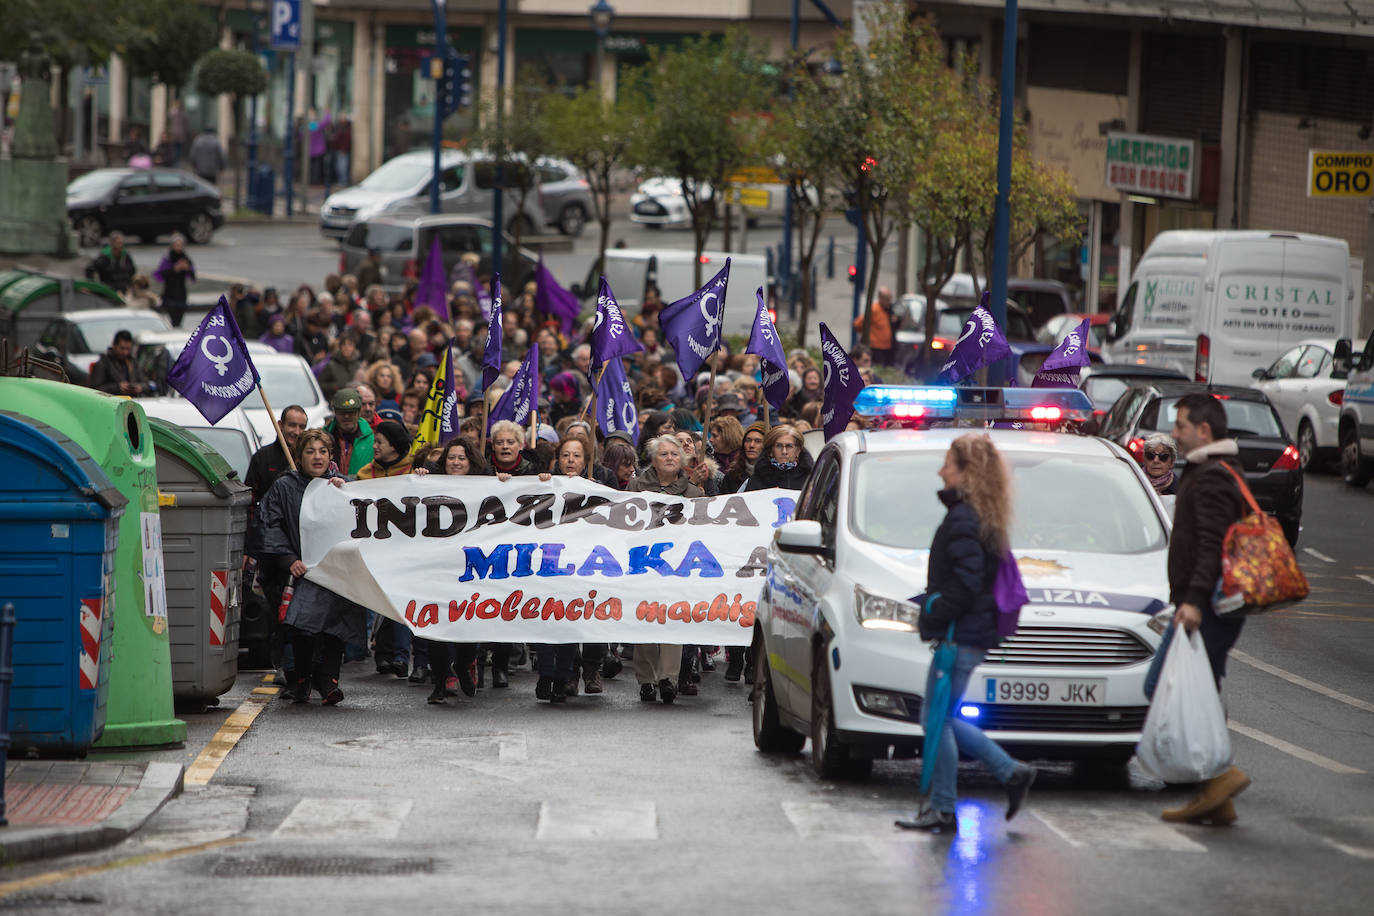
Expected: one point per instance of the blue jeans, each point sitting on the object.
(960, 735)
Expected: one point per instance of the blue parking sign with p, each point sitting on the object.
(286, 24)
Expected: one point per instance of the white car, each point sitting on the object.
(1306, 388)
(287, 379)
(836, 654)
(233, 436)
(78, 339)
(659, 202)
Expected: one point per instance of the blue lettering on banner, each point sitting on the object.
(600, 562)
(549, 565)
(786, 506)
(488, 566)
(649, 559)
(700, 561)
(697, 561)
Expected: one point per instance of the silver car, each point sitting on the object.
(403, 243)
(567, 196)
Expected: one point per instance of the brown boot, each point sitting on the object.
(1214, 792)
(1224, 816)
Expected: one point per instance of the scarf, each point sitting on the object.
(1162, 482)
(783, 465)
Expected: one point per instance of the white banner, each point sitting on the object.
(469, 559)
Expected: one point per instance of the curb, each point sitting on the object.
(160, 782)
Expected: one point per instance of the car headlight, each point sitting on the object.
(878, 612)
(1160, 622)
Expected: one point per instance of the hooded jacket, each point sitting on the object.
(358, 453)
(960, 573)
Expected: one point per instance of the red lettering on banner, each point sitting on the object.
(573, 609)
(720, 609)
(410, 612)
(553, 608)
(489, 609)
(699, 612)
(455, 610)
(680, 610)
(429, 615)
(608, 609)
(509, 607)
(651, 612)
(746, 615)
(734, 609)
(531, 610)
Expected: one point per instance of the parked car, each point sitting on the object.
(1306, 387)
(400, 187)
(1356, 433)
(1267, 453)
(403, 244)
(659, 202)
(567, 196)
(233, 436)
(143, 203)
(157, 349)
(1040, 299)
(1058, 327)
(78, 339)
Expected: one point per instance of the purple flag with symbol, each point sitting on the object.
(842, 384)
(611, 335)
(765, 342)
(522, 397)
(1061, 367)
(555, 301)
(491, 354)
(433, 288)
(615, 402)
(980, 343)
(214, 371)
(692, 325)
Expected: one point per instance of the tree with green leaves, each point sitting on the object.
(174, 35)
(708, 101)
(515, 140)
(596, 136)
(237, 74)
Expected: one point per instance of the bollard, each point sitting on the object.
(830, 259)
(6, 679)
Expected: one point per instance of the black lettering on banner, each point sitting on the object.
(578, 506)
(360, 529)
(756, 565)
(624, 515)
(535, 508)
(491, 512)
(661, 514)
(389, 514)
(434, 508)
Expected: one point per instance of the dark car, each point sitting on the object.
(143, 203)
(1268, 455)
(1107, 382)
(949, 324)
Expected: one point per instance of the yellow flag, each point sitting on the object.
(436, 405)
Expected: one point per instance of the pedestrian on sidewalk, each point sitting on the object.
(173, 272)
(964, 557)
(1207, 503)
(207, 156)
(114, 266)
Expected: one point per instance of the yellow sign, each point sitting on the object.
(754, 175)
(755, 198)
(1334, 173)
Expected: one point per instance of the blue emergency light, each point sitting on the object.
(999, 406)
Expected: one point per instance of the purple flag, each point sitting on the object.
(214, 371)
(1061, 367)
(615, 402)
(491, 355)
(980, 343)
(433, 288)
(692, 325)
(522, 397)
(764, 341)
(555, 301)
(842, 384)
(450, 418)
(611, 335)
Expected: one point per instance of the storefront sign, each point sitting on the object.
(1152, 166)
(1333, 173)
(1065, 134)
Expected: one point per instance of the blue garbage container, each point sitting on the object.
(59, 524)
(262, 188)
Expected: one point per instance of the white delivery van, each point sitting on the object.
(1216, 305)
(631, 270)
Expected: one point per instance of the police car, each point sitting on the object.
(836, 654)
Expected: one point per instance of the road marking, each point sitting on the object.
(609, 821)
(203, 768)
(1359, 852)
(345, 818)
(1302, 681)
(1113, 828)
(47, 879)
(1369, 579)
(1319, 555)
(1293, 750)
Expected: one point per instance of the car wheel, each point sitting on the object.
(88, 231)
(829, 757)
(523, 221)
(770, 735)
(1292, 527)
(1307, 444)
(571, 220)
(200, 228)
(1353, 467)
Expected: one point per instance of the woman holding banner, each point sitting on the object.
(506, 462)
(656, 665)
(319, 622)
(453, 661)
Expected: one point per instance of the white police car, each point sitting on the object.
(836, 653)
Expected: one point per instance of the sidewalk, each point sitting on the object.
(57, 808)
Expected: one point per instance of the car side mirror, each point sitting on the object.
(1343, 355)
(1260, 373)
(1112, 335)
(802, 536)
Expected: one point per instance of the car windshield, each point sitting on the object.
(1104, 390)
(399, 175)
(1080, 503)
(229, 442)
(98, 333)
(286, 384)
(1244, 419)
(93, 184)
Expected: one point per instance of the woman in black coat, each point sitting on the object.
(784, 461)
(964, 556)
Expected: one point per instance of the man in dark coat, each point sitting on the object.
(113, 266)
(117, 372)
(1208, 502)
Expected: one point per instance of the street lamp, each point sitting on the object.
(603, 14)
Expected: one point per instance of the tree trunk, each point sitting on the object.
(876, 238)
(601, 201)
(63, 90)
(725, 232)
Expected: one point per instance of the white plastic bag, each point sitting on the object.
(1185, 737)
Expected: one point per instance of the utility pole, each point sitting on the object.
(1002, 227)
(307, 65)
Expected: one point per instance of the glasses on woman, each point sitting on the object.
(1158, 456)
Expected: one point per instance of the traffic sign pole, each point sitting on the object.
(437, 69)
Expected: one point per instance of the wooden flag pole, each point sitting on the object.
(290, 459)
(710, 403)
(534, 426)
(581, 414)
(482, 427)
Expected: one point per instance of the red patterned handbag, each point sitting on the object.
(1258, 569)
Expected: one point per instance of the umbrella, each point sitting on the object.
(936, 706)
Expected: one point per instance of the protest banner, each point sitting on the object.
(565, 560)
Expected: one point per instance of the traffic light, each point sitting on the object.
(455, 89)
(853, 273)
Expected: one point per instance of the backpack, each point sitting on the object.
(1011, 595)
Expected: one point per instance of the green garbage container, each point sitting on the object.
(204, 522)
(115, 432)
(29, 300)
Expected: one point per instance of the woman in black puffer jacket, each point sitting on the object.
(964, 556)
(784, 461)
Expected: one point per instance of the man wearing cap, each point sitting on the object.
(351, 433)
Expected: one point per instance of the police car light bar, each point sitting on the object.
(990, 405)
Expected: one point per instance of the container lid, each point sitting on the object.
(197, 453)
(57, 451)
(21, 292)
